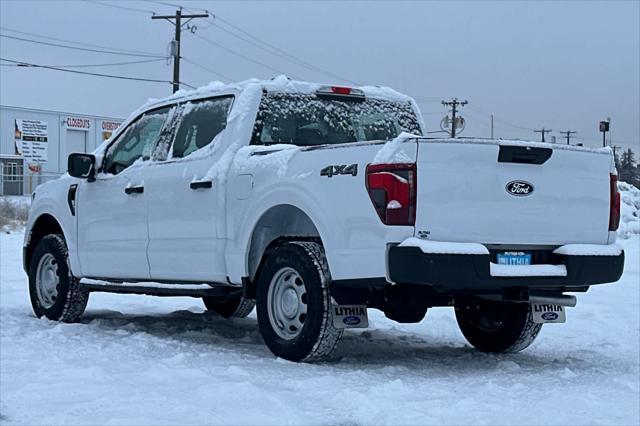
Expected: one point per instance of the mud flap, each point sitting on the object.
(545, 313)
(350, 316)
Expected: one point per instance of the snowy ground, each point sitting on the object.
(146, 360)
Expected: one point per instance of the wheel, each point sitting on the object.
(294, 304)
(492, 326)
(54, 292)
(237, 307)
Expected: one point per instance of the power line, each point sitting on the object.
(111, 52)
(133, 9)
(111, 64)
(259, 43)
(274, 50)
(233, 52)
(100, 46)
(219, 74)
(188, 85)
(499, 120)
(30, 65)
(163, 3)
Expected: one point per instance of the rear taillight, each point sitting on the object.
(614, 203)
(392, 189)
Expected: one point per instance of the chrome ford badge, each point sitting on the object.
(519, 188)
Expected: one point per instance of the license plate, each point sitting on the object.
(544, 313)
(514, 258)
(350, 316)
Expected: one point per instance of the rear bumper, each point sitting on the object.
(472, 272)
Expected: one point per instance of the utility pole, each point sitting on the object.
(454, 103)
(568, 134)
(543, 131)
(176, 20)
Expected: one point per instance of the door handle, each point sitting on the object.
(201, 184)
(134, 190)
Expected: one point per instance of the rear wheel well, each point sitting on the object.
(43, 226)
(278, 225)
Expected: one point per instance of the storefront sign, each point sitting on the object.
(32, 140)
(108, 127)
(78, 123)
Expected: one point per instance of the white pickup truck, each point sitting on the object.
(317, 202)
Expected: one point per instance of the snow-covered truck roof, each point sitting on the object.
(280, 83)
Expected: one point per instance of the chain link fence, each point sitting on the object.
(14, 182)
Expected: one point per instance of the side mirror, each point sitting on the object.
(81, 165)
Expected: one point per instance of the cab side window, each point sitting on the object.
(137, 141)
(201, 122)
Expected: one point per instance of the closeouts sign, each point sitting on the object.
(78, 123)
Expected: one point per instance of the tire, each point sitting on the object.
(294, 279)
(54, 292)
(237, 307)
(497, 327)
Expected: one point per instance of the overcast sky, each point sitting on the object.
(562, 65)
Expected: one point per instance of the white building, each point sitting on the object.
(35, 144)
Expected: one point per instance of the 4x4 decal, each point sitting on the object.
(342, 169)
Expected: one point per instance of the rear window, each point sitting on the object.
(307, 120)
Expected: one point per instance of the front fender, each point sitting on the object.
(51, 199)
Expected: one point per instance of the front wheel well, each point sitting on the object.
(43, 226)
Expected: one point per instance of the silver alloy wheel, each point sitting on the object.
(47, 280)
(287, 303)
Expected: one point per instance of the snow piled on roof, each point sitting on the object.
(280, 83)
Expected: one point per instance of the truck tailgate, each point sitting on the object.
(465, 194)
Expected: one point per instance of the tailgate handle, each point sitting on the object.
(523, 154)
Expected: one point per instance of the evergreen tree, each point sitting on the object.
(627, 169)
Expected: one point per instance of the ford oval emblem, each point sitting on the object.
(519, 188)
(549, 316)
(351, 320)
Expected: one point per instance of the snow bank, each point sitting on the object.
(13, 211)
(629, 210)
(440, 247)
(164, 360)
